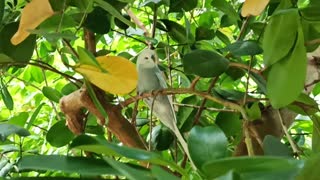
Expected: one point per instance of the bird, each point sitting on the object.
(150, 78)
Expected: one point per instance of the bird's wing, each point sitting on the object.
(160, 76)
(163, 84)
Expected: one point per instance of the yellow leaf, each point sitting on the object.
(32, 15)
(121, 76)
(253, 7)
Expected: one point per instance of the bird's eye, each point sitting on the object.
(146, 58)
(153, 58)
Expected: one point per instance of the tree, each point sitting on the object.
(242, 75)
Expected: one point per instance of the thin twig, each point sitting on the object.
(67, 43)
(244, 66)
(312, 42)
(129, 36)
(247, 138)
(204, 101)
(243, 28)
(134, 113)
(206, 95)
(154, 22)
(293, 145)
(138, 22)
(247, 83)
(44, 67)
(204, 108)
(194, 82)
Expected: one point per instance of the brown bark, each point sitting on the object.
(72, 104)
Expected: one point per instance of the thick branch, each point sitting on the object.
(72, 104)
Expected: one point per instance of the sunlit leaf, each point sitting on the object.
(129, 172)
(277, 40)
(253, 167)
(32, 15)
(51, 93)
(120, 78)
(253, 7)
(80, 165)
(100, 145)
(286, 77)
(6, 96)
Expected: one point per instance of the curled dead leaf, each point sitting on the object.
(32, 15)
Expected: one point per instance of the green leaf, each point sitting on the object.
(114, 12)
(5, 59)
(244, 48)
(102, 146)
(227, 8)
(182, 5)
(80, 165)
(69, 88)
(286, 77)
(184, 112)
(164, 138)
(34, 116)
(206, 144)
(253, 167)
(85, 57)
(316, 133)
(177, 32)
(51, 93)
(205, 63)
(98, 21)
(54, 36)
(310, 169)
(85, 6)
(160, 173)
(203, 33)
(230, 175)
(280, 36)
(223, 37)
(2, 6)
(129, 172)
(8, 129)
(229, 94)
(64, 22)
(229, 123)
(21, 52)
(253, 111)
(311, 13)
(310, 33)
(6, 96)
(120, 24)
(272, 146)
(19, 119)
(304, 105)
(59, 134)
(98, 130)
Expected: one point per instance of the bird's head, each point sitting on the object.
(147, 58)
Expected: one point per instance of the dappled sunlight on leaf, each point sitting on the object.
(120, 76)
(32, 15)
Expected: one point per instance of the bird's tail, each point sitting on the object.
(184, 146)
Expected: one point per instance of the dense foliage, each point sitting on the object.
(242, 75)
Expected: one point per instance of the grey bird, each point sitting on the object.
(150, 78)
